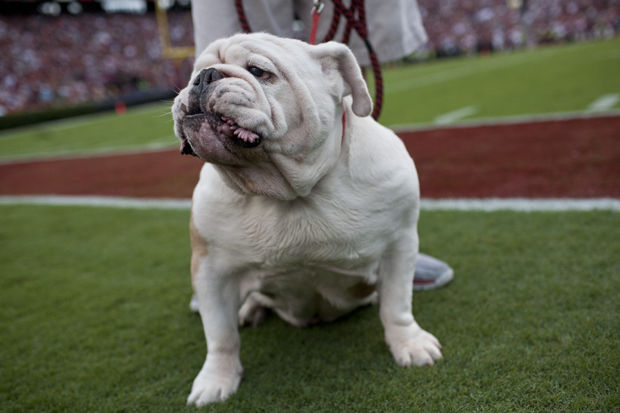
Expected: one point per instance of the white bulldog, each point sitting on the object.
(305, 205)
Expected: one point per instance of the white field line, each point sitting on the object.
(506, 120)
(522, 204)
(453, 116)
(604, 103)
(97, 201)
(459, 204)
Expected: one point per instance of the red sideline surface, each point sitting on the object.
(569, 158)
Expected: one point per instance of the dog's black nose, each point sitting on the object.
(199, 86)
(207, 76)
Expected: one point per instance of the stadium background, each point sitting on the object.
(93, 299)
(54, 55)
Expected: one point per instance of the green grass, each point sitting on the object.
(94, 318)
(93, 301)
(546, 80)
(141, 127)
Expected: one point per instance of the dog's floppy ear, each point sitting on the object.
(337, 59)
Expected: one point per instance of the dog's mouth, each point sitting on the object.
(226, 129)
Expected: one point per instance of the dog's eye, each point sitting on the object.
(259, 73)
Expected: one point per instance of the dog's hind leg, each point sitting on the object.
(253, 311)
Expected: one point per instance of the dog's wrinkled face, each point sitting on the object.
(266, 111)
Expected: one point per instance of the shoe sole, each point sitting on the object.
(440, 281)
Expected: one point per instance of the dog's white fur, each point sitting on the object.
(312, 223)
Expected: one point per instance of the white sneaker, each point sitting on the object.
(431, 273)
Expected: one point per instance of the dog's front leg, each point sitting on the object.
(218, 300)
(407, 341)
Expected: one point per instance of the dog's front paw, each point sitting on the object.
(218, 379)
(412, 345)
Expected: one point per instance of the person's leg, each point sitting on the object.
(214, 19)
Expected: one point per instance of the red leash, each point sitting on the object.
(358, 23)
(245, 26)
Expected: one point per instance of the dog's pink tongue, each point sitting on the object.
(246, 135)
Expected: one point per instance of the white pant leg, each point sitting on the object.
(214, 19)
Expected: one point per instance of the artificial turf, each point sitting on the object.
(94, 318)
(562, 78)
(143, 127)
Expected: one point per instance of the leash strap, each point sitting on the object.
(359, 24)
(245, 26)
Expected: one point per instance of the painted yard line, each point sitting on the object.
(521, 204)
(451, 117)
(459, 204)
(506, 120)
(97, 201)
(604, 102)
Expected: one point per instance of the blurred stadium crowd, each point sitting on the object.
(70, 59)
(75, 59)
(457, 27)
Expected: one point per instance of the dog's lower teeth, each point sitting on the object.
(246, 135)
